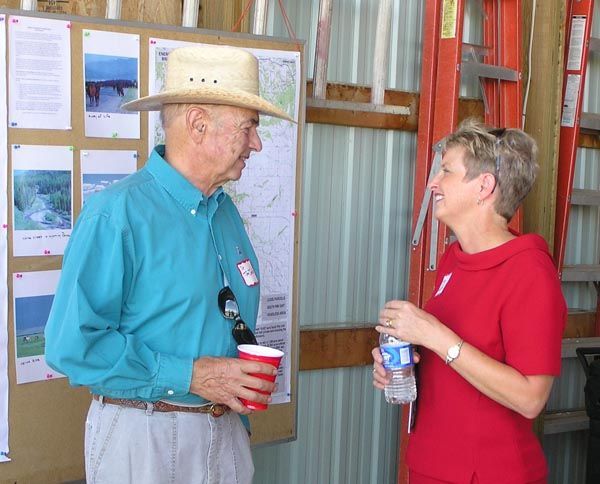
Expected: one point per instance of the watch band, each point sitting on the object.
(453, 352)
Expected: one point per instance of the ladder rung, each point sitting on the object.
(569, 345)
(581, 273)
(559, 422)
(489, 71)
(585, 197)
(594, 44)
(590, 121)
(477, 49)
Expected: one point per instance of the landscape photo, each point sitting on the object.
(42, 199)
(31, 315)
(96, 182)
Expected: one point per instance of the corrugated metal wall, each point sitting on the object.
(356, 208)
(567, 452)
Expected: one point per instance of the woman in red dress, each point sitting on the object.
(490, 336)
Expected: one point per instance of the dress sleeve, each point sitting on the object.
(82, 334)
(533, 318)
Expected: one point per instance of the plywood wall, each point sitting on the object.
(223, 15)
(10, 4)
(166, 12)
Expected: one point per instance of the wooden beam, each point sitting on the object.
(580, 324)
(337, 348)
(589, 140)
(360, 119)
(544, 109)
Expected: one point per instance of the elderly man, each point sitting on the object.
(139, 312)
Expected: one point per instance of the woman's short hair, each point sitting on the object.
(509, 154)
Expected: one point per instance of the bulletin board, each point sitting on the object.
(46, 418)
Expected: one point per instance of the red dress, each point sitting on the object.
(507, 302)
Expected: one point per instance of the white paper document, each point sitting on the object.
(102, 168)
(42, 179)
(33, 296)
(39, 73)
(3, 251)
(111, 79)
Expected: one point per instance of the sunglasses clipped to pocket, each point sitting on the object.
(230, 310)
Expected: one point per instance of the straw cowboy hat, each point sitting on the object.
(210, 74)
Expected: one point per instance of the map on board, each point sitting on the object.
(266, 193)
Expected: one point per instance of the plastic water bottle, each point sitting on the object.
(398, 359)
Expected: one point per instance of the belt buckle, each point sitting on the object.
(217, 410)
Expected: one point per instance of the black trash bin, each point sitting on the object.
(592, 408)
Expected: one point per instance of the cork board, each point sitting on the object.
(46, 419)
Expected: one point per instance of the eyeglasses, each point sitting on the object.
(230, 310)
(497, 133)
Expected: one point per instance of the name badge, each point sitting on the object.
(445, 281)
(247, 272)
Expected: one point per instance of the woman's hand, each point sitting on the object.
(380, 376)
(407, 322)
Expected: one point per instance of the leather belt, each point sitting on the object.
(214, 409)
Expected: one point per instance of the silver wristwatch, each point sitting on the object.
(453, 352)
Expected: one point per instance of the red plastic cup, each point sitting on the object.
(264, 354)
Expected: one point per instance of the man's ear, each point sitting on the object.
(196, 119)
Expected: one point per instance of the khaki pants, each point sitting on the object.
(128, 446)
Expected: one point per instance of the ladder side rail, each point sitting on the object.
(511, 93)
(491, 40)
(424, 155)
(447, 92)
(573, 87)
(423, 162)
(424, 159)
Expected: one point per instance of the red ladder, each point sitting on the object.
(578, 30)
(442, 64)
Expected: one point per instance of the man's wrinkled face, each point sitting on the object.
(231, 137)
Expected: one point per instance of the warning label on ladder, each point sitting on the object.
(576, 43)
(570, 102)
(449, 19)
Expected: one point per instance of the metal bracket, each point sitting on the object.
(435, 166)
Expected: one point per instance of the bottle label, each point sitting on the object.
(396, 356)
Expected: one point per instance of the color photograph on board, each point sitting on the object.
(110, 79)
(33, 293)
(101, 168)
(110, 82)
(42, 207)
(42, 199)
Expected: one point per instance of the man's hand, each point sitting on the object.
(224, 380)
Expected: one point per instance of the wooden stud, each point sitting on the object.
(544, 109)
(322, 49)
(382, 47)
(261, 8)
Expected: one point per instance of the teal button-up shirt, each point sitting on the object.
(137, 298)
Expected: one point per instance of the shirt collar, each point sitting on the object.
(176, 184)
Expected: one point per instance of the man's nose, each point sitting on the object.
(255, 142)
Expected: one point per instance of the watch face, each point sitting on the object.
(453, 351)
